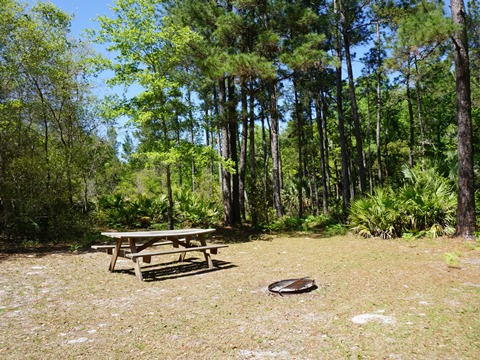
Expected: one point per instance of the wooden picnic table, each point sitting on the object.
(142, 245)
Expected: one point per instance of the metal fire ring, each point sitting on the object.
(292, 286)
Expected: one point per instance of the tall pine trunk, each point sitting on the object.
(243, 149)
(276, 161)
(254, 197)
(233, 131)
(411, 122)
(341, 129)
(379, 111)
(420, 111)
(265, 169)
(356, 120)
(300, 140)
(466, 200)
(225, 153)
(323, 167)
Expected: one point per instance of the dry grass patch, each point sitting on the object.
(375, 299)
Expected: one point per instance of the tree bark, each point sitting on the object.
(265, 169)
(379, 112)
(356, 120)
(233, 130)
(300, 140)
(411, 122)
(341, 123)
(254, 194)
(322, 155)
(466, 200)
(325, 107)
(276, 162)
(225, 153)
(243, 150)
(343, 142)
(419, 112)
(170, 198)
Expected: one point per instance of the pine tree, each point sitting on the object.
(466, 200)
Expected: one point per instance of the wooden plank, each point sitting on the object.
(175, 251)
(104, 247)
(157, 234)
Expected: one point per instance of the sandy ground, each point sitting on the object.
(375, 299)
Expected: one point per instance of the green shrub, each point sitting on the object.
(191, 210)
(317, 222)
(138, 211)
(425, 205)
(286, 223)
(335, 229)
(377, 215)
(429, 202)
(311, 223)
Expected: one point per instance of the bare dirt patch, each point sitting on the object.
(376, 299)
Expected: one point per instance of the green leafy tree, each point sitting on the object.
(149, 47)
(47, 123)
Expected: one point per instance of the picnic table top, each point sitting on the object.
(155, 233)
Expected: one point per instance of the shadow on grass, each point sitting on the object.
(222, 235)
(175, 269)
(14, 251)
(234, 235)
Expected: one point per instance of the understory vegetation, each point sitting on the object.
(424, 205)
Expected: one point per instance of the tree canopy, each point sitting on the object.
(259, 112)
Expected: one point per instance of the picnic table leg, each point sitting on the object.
(136, 261)
(208, 258)
(181, 258)
(113, 261)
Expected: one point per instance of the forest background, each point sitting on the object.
(242, 116)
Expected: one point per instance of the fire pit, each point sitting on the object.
(292, 286)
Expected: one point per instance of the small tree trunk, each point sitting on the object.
(325, 107)
(192, 135)
(300, 140)
(379, 112)
(419, 112)
(356, 120)
(254, 197)
(265, 169)
(170, 199)
(411, 123)
(276, 161)
(322, 155)
(368, 160)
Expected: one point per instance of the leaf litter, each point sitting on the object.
(375, 299)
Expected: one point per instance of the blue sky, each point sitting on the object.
(84, 12)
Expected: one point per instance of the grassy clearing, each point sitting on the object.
(418, 306)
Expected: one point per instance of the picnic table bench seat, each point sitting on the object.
(126, 247)
(212, 248)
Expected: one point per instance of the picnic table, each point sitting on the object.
(142, 245)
